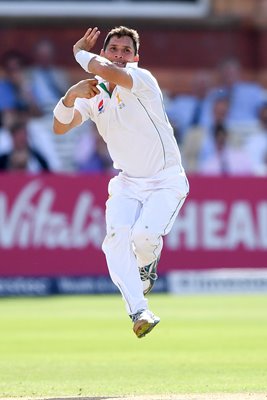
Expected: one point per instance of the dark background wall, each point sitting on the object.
(173, 49)
(160, 47)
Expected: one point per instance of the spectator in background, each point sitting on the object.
(256, 144)
(49, 82)
(5, 137)
(15, 86)
(95, 156)
(185, 111)
(229, 158)
(245, 97)
(17, 102)
(219, 119)
(38, 136)
(22, 157)
(199, 141)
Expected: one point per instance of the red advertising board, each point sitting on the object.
(53, 225)
(223, 224)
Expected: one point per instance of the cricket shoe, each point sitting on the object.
(144, 321)
(148, 275)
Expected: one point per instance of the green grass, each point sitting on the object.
(84, 346)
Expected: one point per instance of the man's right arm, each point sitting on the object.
(65, 115)
(60, 126)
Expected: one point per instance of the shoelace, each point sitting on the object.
(145, 273)
(134, 317)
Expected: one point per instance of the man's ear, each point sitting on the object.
(136, 58)
(102, 53)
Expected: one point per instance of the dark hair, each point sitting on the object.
(218, 129)
(121, 31)
(13, 56)
(17, 126)
(262, 107)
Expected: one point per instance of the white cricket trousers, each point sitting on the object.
(139, 212)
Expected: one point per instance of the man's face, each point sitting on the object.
(20, 138)
(120, 51)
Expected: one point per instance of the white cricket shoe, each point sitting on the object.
(144, 321)
(148, 275)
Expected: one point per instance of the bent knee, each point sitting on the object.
(143, 236)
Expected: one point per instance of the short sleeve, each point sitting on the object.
(143, 82)
(84, 108)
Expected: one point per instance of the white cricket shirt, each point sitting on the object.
(134, 125)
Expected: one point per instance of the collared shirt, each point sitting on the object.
(134, 125)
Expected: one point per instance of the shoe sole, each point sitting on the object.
(143, 327)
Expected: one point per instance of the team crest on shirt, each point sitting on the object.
(119, 101)
(100, 106)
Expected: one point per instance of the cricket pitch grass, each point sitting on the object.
(83, 347)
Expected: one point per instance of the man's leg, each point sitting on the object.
(121, 214)
(156, 219)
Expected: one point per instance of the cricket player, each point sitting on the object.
(126, 104)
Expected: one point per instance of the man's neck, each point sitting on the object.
(111, 87)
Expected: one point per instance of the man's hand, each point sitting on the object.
(87, 42)
(84, 89)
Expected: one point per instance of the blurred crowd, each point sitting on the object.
(221, 127)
